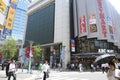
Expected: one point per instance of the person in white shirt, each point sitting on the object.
(113, 73)
(11, 71)
(45, 70)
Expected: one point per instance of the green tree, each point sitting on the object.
(38, 53)
(9, 48)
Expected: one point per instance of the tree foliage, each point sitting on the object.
(9, 48)
(38, 53)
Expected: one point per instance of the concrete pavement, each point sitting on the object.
(20, 75)
(73, 75)
(55, 75)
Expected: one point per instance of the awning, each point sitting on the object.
(92, 55)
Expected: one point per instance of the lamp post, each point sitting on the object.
(30, 55)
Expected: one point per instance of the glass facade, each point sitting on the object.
(20, 21)
(92, 45)
(40, 26)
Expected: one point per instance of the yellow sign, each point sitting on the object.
(1, 27)
(14, 1)
(10, 18)
(2, 7)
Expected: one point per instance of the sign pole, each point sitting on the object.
(30, 55)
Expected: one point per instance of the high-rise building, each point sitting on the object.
(73, 30)
(18, 30)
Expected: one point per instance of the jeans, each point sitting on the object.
(12, 74)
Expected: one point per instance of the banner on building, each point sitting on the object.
(2, 7)
(81, 17)
(82, 25)
(92, 19)
(10, 18)
(92, 23)
(102, 18)
(72, 45)
(110, 28)
(7, 31)
(1, 27)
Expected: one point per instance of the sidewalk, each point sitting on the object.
(21, 75)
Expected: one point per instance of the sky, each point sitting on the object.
(116, 4)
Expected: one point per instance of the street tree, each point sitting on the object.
(38, 53)
(10, 48)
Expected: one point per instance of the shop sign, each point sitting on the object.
(105, 51)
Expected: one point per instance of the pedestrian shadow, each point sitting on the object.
(38, 78)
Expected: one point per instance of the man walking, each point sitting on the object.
(12, 70)
(45, 70)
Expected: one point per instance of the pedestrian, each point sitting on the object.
(45, 70)
(80, 67)
(12, 69)
(103, 67)
(113, 73)
(59, 67)
(40, 67)
(7, 67)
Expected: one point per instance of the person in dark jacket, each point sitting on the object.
(7, 67)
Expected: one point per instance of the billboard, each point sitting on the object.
(92, 23)
(2, 7)
(10, 18)
(102, 18)
(83, 25)
(81, 16)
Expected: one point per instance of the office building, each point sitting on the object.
(72, 30)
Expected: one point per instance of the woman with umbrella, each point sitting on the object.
(113, 73)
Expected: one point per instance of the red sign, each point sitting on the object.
(102, 18)
(82, 24)
(28, 51)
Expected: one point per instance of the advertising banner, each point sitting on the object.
(111, 37)
(82, 25)
(7, 31)
(1, 27)
(2, 7)
(81, 17)
(102, 18)
(92, 15)
(72, 45)
(10, 18)
(92, 23)
(2, 19)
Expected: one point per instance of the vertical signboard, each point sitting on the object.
(102, 18)
(10, 18)
(83, 25)
(92, 23)
(2, 7)
(92, 18)
(110, 29)
(72, 45)
(81, 17)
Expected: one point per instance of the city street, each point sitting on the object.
(54, 75)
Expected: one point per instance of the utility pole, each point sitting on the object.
(30, 56)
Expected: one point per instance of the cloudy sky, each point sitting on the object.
(116, 4)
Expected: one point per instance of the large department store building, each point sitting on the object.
(73, 30)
